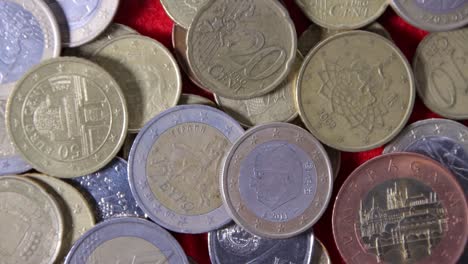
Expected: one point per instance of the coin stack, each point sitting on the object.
(102, 155)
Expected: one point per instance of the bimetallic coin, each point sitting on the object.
(400, 208)
(182, 11)
(67, 117)
(31, 223)
(29, 34)
(276, 180)
(82, 21)
(233, 245)
(355, 91)
(443, 140)
(10, 161)
(320, 254)
(77, 214)
(276, 106)
(343, 14)
(441, 73)
(435, 15)
(147, 73)
(126, 240)
(174, 167)
(87, 50)
(235, 52)
(189, 99)
(109, 191)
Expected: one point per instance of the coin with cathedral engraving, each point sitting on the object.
(182, 11)
(31, 222)
(433, 15)
(108, 191)
(276, 106)
(343, 14)
(77, 214)
(189, 99)
(10, 161)
(127, 240)
(115, 30)
(400, 208)
(147, 73)
(355, 91)
(445, 141)
(441, 73)
(174, 167)
(67, 117)
(276, 180)
(29, 34)
(319, 253)
(82, 21)
(235, 52)
(233, 245)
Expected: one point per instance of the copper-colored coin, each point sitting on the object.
(401, 208)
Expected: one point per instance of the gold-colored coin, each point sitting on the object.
(355, 91)
(277, 106)
(320, 254)
(188, 99)
(147, 73)
(31, 223)
(67, 117)
(77, 214)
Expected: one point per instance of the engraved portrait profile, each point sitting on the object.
(277, 176)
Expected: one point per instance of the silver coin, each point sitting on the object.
(433, 15)
(276, 180)
(10, 161)
(109, 191)
(443, 140)
(174, 167)
(126, 240)
(82, 21)
(233, 245)
(29, 34)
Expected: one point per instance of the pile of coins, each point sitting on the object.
(188, 165)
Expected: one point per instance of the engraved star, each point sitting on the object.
(390, 128)
(462, 136)
(167, 67)
(340, 139)
(182, 221)
(156, 207)
(15, 122)
(437, 129)
(19, 97)
(253, 140)
(133, 45)
(96, 157)
(106, 88)
(155, 51)
(176, 119)
(60, 68)
(5, 164)
(299, 138)
(116, 112)
(103, 14)
(154, 133)
(203, 116)
(404, 79)
(35, 77)
(210, 220)
(275, 132)
(46, 163)
(77, 209)
(281, 228)
(228, 130)
(112, 137)
(25, 146)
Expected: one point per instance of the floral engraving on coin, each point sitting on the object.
(238, 241)
(22, 40)
(401, 220)
(75, 13)
(440, 6)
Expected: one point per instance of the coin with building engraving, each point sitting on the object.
(276, 180)
(189, 99)
(182, 11)
(147, 73)
(108, 191)
(320, 254)
(174, 167)
(31, 222)
(29, 34)
(115, 30)
(126, 240)
(441, 73)
(67, 117)
(233, 245)
(82, 21)
(401, 208)
(234, 51)
(343, 14)
(77, 214)
(355, 91)
(10, 161)
(433, 15)
(276, 106)
(445, 141)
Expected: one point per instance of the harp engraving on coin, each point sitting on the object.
(238, 241)
(401, 220)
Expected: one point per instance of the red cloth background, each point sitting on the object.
(149, 18)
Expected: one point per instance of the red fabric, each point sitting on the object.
(149, 18)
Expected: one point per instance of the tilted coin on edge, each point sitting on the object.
(235, 52)
(67, 117)
(174, 167)
(276, 180)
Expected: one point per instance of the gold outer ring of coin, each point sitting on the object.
(55, 158)
(401, 123)
(320, 254)
(52, 203)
